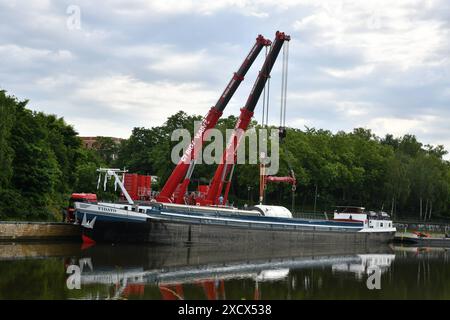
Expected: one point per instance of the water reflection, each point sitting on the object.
(366, 263)
(211, 277)
(147, 272)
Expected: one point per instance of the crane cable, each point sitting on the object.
(265, 118)
(264, 124)
(264, 101)
(284, 77)
(284, 84)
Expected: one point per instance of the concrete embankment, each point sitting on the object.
(16, 231)
(36, 250)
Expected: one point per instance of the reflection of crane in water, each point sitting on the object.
(132, 281)
(214, 289)
(171, 281)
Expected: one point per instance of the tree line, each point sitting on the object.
(399, 175)
(42, 161)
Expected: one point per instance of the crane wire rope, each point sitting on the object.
(284, 76)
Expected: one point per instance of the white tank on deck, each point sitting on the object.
(273, 211)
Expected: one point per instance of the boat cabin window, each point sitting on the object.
(343, 209)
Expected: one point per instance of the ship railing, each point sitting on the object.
(205, 210)
(311, 215)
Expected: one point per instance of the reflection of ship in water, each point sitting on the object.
(366, 264)
(130, 269)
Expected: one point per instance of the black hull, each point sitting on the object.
(176, 234)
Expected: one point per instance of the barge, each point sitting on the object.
(175, 224)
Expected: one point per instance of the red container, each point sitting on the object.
(138, 186)
(131, 185)
(148, 182)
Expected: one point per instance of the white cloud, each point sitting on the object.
(368, 63)
(344, 102)
(151, 103)
(311, 96)
(355, 109)
(427, 125)
(99, 127)
(352, 73)
(395, 126)
(55, 82)
(203, 7)
(300, 123)
(259, 14)
(21, 56)
(387, 32)
(183, 62)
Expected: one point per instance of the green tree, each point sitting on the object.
(7, 119)
(107, 149)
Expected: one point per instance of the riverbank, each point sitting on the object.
(435, 240)
(29, 231)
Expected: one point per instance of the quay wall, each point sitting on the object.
(15, 230)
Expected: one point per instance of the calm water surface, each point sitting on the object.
(67, 271)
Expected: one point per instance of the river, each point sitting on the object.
(69, 271)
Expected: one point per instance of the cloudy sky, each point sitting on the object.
(383, 65)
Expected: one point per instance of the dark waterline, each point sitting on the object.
(39, 271)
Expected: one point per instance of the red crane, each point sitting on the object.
(264, 179)
(186, 164)
(226, 167)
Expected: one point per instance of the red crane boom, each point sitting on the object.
(185, 166)
(287, 179)
(228, 158)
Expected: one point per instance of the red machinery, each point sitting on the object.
(138, 186)
(286, 179)
(264, 179)
(77, 197)
(225, 170)
(186, 164)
